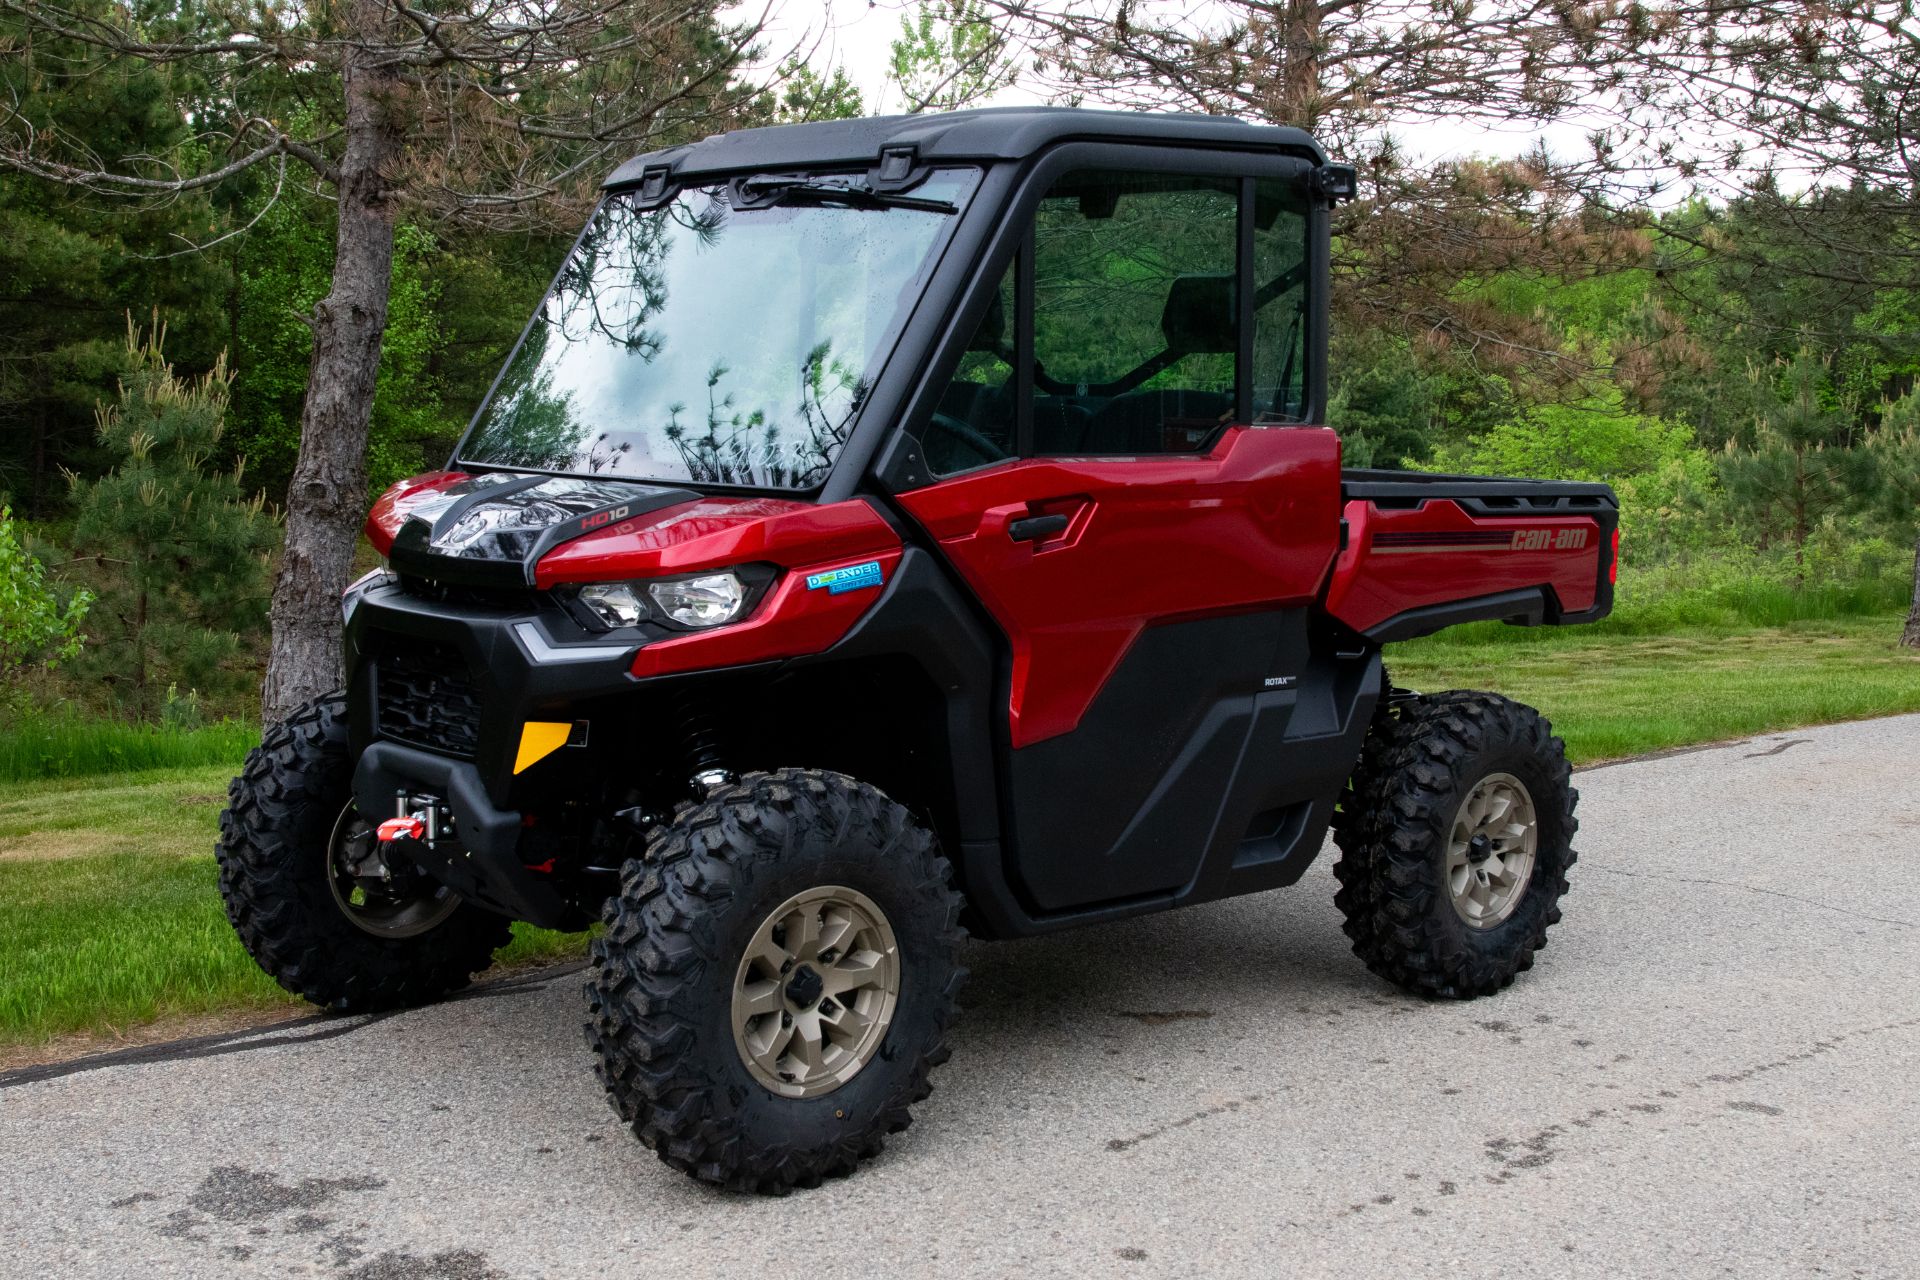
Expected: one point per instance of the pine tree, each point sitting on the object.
(1897, 453)
(176, 550)
(1798, 462)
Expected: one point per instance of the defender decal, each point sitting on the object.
(851, 578)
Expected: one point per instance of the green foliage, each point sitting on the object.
(1798, 462)
(806, 95)
(1895, 450)
(1381, 402)
(949, 56)
(176, 547)
(37, 626)
(285, 268)
(1594, 439)
(70, 268)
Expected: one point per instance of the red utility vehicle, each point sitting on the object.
(891, 528)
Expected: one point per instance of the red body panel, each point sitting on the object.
(715, 532)
(401, 501)
(1401, 559)
(1252, 524)
(712, 533)
(790, 623)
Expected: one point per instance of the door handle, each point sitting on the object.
(1037, 528)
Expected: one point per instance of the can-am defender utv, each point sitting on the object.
(893, 527)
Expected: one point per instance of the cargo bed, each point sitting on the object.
(1426, 550)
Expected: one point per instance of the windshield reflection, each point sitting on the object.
(700, 342)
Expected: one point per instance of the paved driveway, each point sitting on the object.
(1714, 1070)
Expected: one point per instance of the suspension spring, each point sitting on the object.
(701, 737)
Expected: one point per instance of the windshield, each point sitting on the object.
(717, 344)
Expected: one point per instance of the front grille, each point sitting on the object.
(427, 698)
(516, 598)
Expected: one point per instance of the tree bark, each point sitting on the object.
(327, 498)
(1910, 637)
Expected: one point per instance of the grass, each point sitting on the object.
(38, 745)
(1616, 693)
(109, 915)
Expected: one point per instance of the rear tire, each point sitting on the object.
(739, 901)
(276, 844)
(1424, 904)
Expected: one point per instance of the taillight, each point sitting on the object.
(1613, 570)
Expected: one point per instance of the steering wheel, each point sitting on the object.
(967, 438)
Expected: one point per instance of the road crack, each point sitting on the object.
(1750, 888)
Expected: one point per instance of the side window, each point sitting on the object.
(1133, 313)
(974, 422)
(1280, 302)
(1135, 323)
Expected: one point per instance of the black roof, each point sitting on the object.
(984, 133)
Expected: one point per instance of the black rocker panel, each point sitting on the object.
(1187, 764)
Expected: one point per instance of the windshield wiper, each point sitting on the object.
(759, 193)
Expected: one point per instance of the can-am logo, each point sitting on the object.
(599, 518)
(1549, 539)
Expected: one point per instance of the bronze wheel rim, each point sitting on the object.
(815, 991)
(1491, 850)
(371, 894)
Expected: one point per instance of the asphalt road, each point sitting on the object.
(1713, 1070)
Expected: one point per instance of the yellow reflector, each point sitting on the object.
(538, 740)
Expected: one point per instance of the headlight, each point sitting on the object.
(707, 601)
(614, 603)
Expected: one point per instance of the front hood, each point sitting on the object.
(491, 530)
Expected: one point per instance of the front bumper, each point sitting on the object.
(481, 861)
(532, 663)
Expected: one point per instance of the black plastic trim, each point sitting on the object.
(1540, 497)
(927, 616)
(983, 134)
(1528, 606)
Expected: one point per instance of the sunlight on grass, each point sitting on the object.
(1620, 694)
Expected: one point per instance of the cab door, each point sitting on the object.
(1156, 523)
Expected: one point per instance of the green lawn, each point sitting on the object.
(109, 916)
(1613, 695)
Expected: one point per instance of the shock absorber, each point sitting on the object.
(701, 737)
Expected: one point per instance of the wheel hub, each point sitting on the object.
(806, 988)
(1491, 850)
(815, 991)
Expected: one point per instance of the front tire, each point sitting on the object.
(299, 916)
(1454, 836)
(776, 981)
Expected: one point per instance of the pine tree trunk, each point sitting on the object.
(1911, 636)
(327, 499)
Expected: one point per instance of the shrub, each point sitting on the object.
(36, 625)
